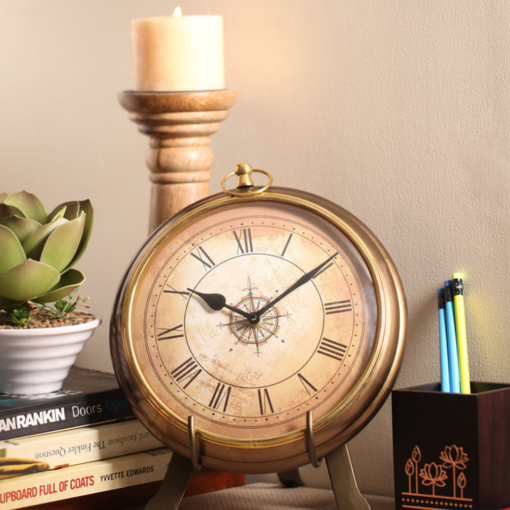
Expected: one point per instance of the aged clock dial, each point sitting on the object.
(247, 316)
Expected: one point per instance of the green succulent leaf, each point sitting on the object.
(28, 281)
(35, 243)
(31, 206)
(63, 243)
(69, 282)
(73, 210)
(57, 213)
(22, 227)
(36, 247)
(21, 316)
(12, 253)
(6, 211)
(86, 207)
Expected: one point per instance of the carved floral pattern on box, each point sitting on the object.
(439, 484)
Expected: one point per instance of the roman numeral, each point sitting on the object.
(332, 349)
(173, 291)
(287, 244)
(338, 307)
(265, 402)
(219, 396)
(244, 241)
(208, 264)
(307, 384)
(187, 370)
(166, 334)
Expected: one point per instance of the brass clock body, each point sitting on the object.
(333, 345)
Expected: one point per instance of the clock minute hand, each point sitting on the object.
(218, 301)
(304, 279)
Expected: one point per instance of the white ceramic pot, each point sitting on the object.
(35, 361)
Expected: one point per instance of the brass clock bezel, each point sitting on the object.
(287, 451)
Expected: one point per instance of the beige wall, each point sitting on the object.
(397, 110)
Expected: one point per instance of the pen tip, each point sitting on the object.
(440, 291)
(448, 283)
(457, 276)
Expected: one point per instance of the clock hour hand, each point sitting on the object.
(304, 279)
(218, 301)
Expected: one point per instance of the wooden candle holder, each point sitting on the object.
(179, 125)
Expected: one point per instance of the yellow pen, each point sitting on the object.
(460, 326)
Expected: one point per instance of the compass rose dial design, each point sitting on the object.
(266, 328)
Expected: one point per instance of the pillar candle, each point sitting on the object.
(178, 53)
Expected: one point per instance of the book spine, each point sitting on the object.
(84, 479)
(65, 448)
(77, 411)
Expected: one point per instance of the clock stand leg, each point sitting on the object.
(290, 478)
(341, 472)
(177, 476)
(174, 485)
(343, 480)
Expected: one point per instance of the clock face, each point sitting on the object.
(243, 378)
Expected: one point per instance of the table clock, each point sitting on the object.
(256, 331)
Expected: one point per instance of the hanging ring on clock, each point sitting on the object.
(245, 182)
(193, 444)
(310, 443)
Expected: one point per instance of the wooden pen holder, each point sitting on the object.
(452, 451)
(180, 157)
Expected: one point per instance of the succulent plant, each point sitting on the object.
(38, 250)
(20, 317)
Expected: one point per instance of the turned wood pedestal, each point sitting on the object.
(179, 126)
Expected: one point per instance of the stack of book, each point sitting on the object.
(79, 448)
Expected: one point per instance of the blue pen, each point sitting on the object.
(443, 345)
(451, 338)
